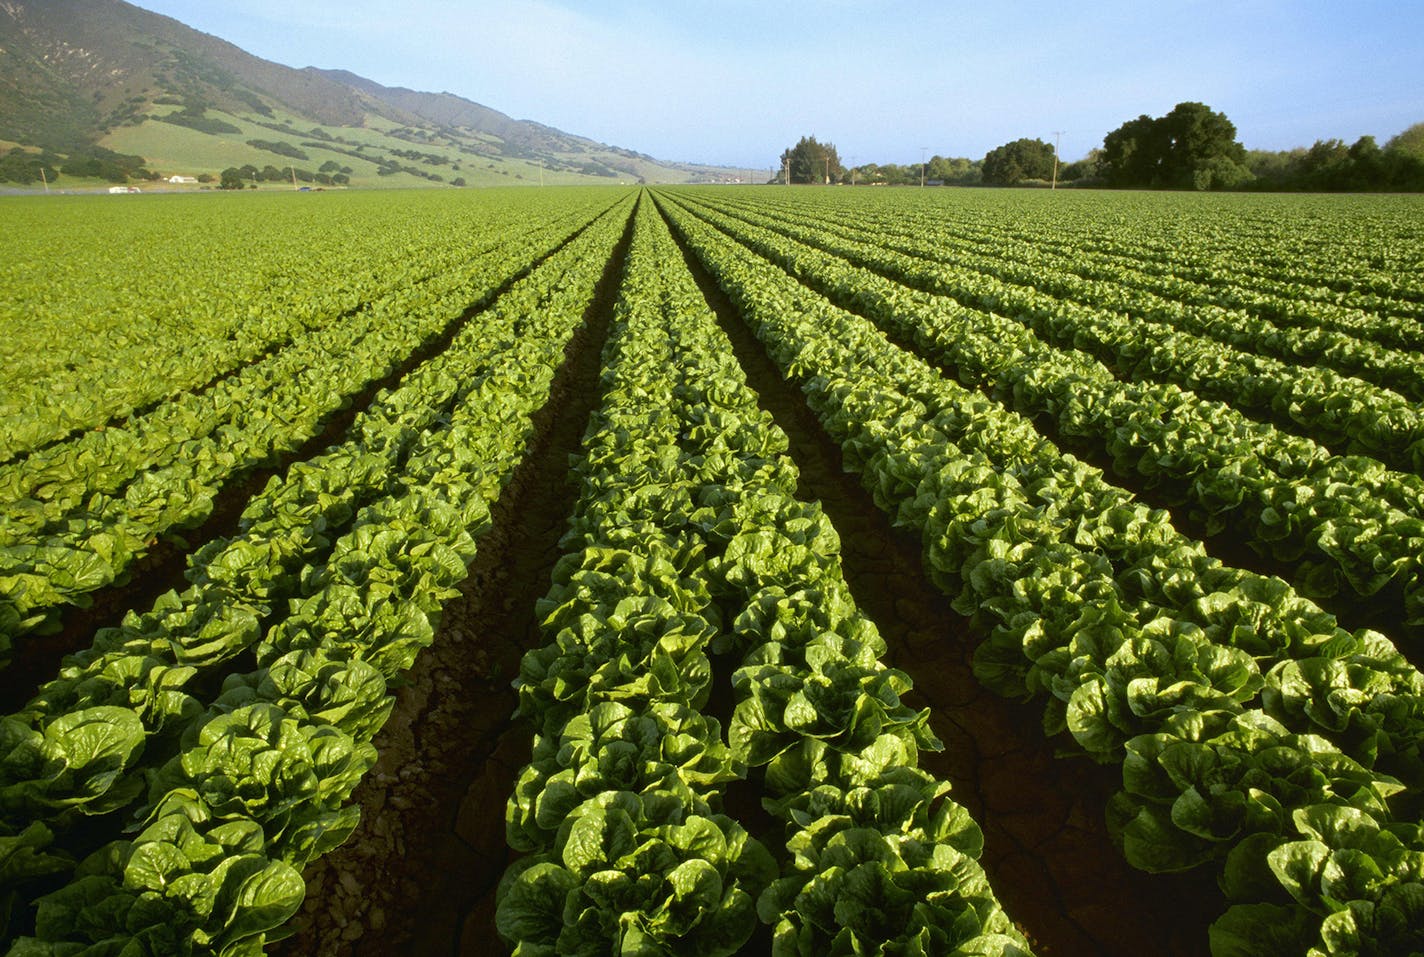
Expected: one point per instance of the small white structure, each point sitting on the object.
(183, 180)
(123, 189)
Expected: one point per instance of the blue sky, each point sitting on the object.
(734, 82)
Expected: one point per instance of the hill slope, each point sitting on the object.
(75, 74)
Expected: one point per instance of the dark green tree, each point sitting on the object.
(1325, 166)
(1368, 159)
(1201, 151)
(21, 166)
(812, 162)
(231, 178)
(1132, 153)
(1012, 163)
(1192, 147)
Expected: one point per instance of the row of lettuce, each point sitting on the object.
(1254, 733)
(111, 310)
(1342, 386)
(1337, 263)
(163, 792)
(1345, 525)
(75, 515)
(688, 547)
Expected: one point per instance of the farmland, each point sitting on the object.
(712, 571)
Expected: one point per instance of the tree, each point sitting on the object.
(1084, 172)
(1410, 141)
(1367, 165)
(1403, 159)
(1192, 147)
(812, 162)
(1325, 166)
(21, 166)
(1201, 149)
(231, 178)
(1132, 153)
(1015, 162)
(957, 171)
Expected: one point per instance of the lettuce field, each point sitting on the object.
(712, 571)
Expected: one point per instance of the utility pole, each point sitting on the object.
(294, 176)
(827, 158)
(1056, 135)
(923, 151)
(786, 169)
(852, 170)
(44, 178)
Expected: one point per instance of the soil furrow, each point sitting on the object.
(432, 827)
(36, 658)
(1047, 850)
(1231, 546)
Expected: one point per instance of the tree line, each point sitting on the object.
(1193, 147)
(22, 166)
(331, 173)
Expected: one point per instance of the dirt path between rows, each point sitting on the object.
(37, 658)
(419, 874)
(1047, 850)
(1232, 544)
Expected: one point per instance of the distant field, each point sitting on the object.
(711, 570)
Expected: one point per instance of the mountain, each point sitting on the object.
(84, 78)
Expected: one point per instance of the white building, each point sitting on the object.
(183, 180)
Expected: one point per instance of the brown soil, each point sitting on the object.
(1383, 611)
(1047, 851)
(419, 874)
(36, 657)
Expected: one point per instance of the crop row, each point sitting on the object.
(162, 793)
(1313, 257)
(1335, 520)
(99, 329)
(1252, 731)
(1172, 273)
(79, 513)
(689, 543)
(1219, 355)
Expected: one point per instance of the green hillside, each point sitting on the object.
(83, 80)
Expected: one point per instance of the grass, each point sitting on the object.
(172, 149)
